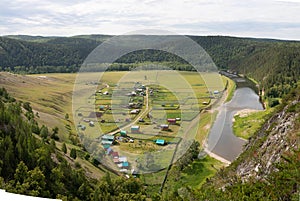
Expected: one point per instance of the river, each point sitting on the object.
(221, 140)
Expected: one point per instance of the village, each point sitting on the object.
(137, 118)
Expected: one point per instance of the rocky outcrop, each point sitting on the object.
(265, 150)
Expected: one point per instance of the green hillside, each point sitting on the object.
(274, 64)
(33, 163)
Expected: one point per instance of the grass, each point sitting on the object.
(155, 178)
(245, 126)
(206, 120)
(193, 175)
(139, 147)
(49, 94)
(230, 88)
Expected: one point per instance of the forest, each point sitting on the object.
(273, 63)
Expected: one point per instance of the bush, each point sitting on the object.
(273, 102)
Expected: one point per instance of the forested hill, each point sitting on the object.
(37, 51)
(273, 63)
(32, 162)
(54, 55)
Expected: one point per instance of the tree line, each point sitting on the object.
(274, 64)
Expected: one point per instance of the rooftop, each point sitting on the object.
(160, 142)
(107, 137)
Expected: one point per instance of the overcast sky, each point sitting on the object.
(265, 19)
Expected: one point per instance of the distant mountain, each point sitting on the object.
(30, 38)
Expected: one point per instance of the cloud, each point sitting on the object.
(230, 17)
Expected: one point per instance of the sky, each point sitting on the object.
(279, 19)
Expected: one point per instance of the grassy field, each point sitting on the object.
(51, 97)
(193, 175)
(245, 125)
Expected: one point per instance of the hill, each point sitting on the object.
(273, 63)
(33, 163)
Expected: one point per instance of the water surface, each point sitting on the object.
(221, 140)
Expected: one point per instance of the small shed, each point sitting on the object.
(116, 160)
(114, 154)
(106, 142)
(123, 133)
(101, 107)
(125, 165)
(92, 123)
(171, 121)
(134, 111)
(106, 146)
(160, 142)
(123, 159)
(123, 170)
(135, 129)
(107, 139)
(164, 127)
(109, 150)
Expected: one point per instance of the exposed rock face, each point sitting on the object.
(276, 137)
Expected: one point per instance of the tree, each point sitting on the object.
(67, 117)
(52, 145)
(21, 172)
(73, 153)
(64, 148)
(36, 181)
(44, 132)
(35, 127)
(27, 107)
(54, 133)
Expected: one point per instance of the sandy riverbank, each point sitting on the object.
(245, 112)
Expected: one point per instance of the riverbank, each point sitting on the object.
(221, 142)
(247, 122)
(231, 86)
